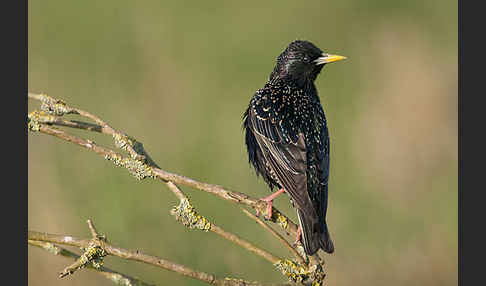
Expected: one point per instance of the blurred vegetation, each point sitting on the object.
(178, 75)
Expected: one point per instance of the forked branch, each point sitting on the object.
(141, 166)
(97, 245)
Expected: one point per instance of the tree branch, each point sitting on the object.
(189, 217)
(116, 277)
(59, 107)
(141, 166)
(39, 121)
(276, 235)
(35, 237)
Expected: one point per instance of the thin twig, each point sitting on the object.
(76, 124)
(173, 187)
(94, 232)
(276, 235)
(115, 276)
(245, 244)
(92, 255)
(105, 128)
(221, 232)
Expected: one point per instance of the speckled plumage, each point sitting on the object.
(288, 142)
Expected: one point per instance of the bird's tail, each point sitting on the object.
(313, 235)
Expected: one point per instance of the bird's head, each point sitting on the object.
(301, 62)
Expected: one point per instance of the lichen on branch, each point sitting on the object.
(140, 170)
(54, 106)
(298, 273)
(35, 118)
(187, 215)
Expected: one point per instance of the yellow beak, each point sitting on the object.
(328, 58)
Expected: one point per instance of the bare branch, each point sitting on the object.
(59, 107)
(245, 244)
(94, 232)
(116, 277)
(188, 216)
(59, 121)
(276, 235)
(141, 257)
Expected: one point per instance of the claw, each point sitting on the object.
(269, 201)
(269, 210)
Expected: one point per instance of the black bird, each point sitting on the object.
(287, 139)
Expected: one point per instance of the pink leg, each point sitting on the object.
(273, 196)
(269, 201)
(299, 234)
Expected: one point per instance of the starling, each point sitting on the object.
(287, 139)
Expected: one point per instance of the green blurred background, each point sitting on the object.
(178, 75)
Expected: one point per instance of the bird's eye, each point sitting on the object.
(306, 59)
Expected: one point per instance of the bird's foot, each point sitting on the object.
(269, 201)
(269, 210)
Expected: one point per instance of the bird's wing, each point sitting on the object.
(322, 168)
(286, 156)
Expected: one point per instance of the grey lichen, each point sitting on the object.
(94, 254)
(119, 279)
(130, 145)
(300, 249)
(281, 220)
(299, 273)
(36, 118)
(33, 125)
(186, 214)
(54, 106)
(138, 169)
(123, 141)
